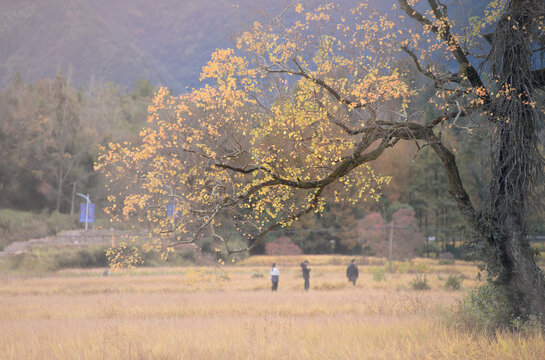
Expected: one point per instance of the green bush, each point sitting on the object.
(175, 258)
(21, 225)
(420, 282)
(461, 252)
(83, 258)
(11, 219)
(56, 222)
(430, 247)
(484, 309)
(530, 327)
(453, 282)
(409, 267)
(379, 274)
(49, 259)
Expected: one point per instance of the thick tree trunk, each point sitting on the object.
(517, 167)
(516, 163)
(521, 277)
(511, 261)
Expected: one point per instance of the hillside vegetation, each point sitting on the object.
(165, 41)
(121, 41)
(19, 225)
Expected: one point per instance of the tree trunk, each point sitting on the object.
(510, 259)
(521, 277)
(516, 163)
(59, 195)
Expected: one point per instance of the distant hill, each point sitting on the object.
(165, 41)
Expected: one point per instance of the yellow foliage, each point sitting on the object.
(258, 145)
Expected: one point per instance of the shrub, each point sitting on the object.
(461, 252)
(453, 282)
(57, 222)
(379, 274)
(91, 257)
(420, 282)
(484, 309)
(430, 247)
(446, 258)
(48, 259)
(410, 267)
(282, 246)
(178, 257)
(530, 327)
(331, 285)
(21, 225)
(374, 230)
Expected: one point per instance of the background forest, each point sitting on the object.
(87, 78)
(50, 132)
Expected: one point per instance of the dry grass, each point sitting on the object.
(202, 313)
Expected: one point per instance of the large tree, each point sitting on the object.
(307, 102)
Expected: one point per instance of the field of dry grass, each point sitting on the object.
(230, 313)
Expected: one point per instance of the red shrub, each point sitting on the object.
(282, 246)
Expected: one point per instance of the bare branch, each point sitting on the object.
(244, 170)
(444, 32)
(437, 79)
(417, 16)
(339, 123)
(257, 239)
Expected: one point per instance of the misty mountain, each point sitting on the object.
(165, 41)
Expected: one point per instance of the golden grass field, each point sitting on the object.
(230, 313)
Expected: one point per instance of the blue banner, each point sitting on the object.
(82, 212)
(170, 210)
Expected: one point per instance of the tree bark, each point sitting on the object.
(521, 277)
(516, 163)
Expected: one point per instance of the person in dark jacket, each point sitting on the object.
(352, 272)
(305, 267)
(275, 276)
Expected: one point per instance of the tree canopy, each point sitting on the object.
(308, 100)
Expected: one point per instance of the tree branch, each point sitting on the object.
(244, 170)
(301, 72)
(444, 32)
(438, 80)
(257, 239)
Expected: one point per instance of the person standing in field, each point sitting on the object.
(305, 267)
(352, 272)
(275, 276)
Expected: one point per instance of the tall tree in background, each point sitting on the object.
(49, 133)
(324, 88)
(19, 179)
(68, 136)
(429, 196)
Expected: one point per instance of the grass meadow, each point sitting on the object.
(230, 313)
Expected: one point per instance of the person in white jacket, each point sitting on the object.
(275, 275)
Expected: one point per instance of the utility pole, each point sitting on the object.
(391, 245)
(73, 198)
